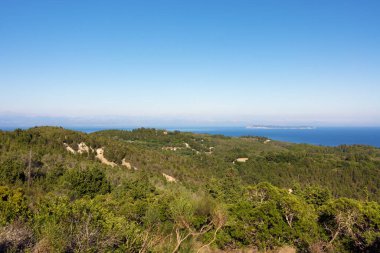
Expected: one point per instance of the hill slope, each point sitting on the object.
(154, 190)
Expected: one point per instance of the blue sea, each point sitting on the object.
(326, 136)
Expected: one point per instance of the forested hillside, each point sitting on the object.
(151, 190)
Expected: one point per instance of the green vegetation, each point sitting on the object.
(316, 199)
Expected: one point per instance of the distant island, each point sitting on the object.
(280, 127)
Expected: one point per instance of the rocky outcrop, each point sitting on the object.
(241, 159)
(70, 149)
(169, 178)
(100, 156)
(126, 164)
(83, 148)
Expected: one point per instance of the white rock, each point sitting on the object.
(242, 160)
(100, 156)
(82, 147)
(169, 178)
(126, 164)
(70, 149)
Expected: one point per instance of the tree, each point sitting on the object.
(89, 182)
(192, 220)
(347, 219)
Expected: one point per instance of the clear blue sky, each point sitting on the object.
(200, 62)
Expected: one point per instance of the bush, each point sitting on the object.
(13, 205)
(269, 217)
(352, 225)
(316, 195)
(12, 170)
(89, 182)
(84, 225)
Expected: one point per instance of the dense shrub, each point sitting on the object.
(352, 225)
(70, 202)
(89, 182)
(12, 170)
(13, 205)
(270, 217)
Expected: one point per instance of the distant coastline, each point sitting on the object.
(280, 127)
(325, 136)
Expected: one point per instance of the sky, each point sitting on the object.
(190, 62)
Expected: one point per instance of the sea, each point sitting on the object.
(324, 136)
